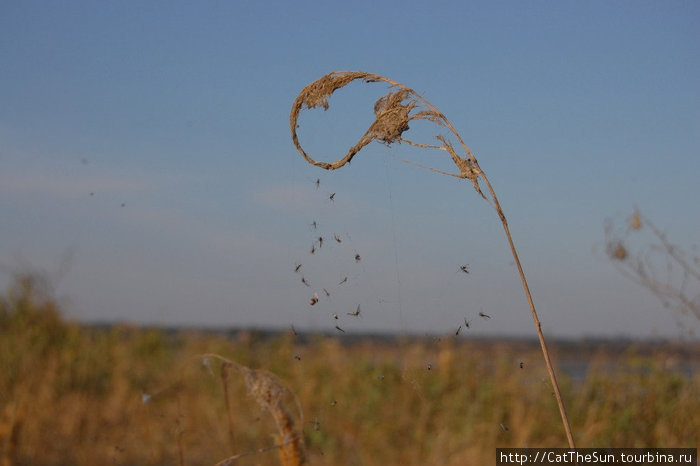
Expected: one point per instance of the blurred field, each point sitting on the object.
(72, 395)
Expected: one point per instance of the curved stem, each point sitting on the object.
(538, 325)
(545, 353)
(316, 94)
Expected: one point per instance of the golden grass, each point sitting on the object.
(124, 395)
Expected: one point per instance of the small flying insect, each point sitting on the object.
(357, 257)
(297, 357)
(356, 313)
(313, 249)
(320, 241)
(504, 427)
(467, 323)
(334, 402)
(485, 316)
(327, 293)
(430, 367)
(297, 267)
(303, 280)
(521, 364)
(337, 238)
(332, 197)
(459, 329)
(339, 329)
(464, 268)
(314, 299)
(335, 316)
(314, 225)
(317, 182)
(343, 280)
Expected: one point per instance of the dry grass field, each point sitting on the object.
(72, 395)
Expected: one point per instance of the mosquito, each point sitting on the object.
(314, 299)
(332, 197)
(303, 280)
(343, 280)
(485, 316)
(464, 268)
(317, 182)
(335, 316)
(327, 293)
(339, 329)
(320, 241)
(467, 323)
(314, 224)
(459, 329)
(337, 238)
(357, 257)
(297, 267)
(313, 249)
(356, 313)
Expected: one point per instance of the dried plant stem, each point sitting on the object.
(180, 432)
(531, 303)
(393, 112)
(682, 269)
(229, 414)
(538, 325)
(269, 393)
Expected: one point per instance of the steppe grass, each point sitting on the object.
(72, 395)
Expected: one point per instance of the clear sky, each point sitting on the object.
(146, 165)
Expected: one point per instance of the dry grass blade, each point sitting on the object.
(269, 393)
(393, 112)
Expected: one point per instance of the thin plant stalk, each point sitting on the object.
(269, 393)
(394, 111)
(224, 379)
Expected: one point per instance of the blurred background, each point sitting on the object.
(148, 174)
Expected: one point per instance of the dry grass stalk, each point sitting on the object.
(394, 111)
(10, 425)
(663, 268)
(270, 394)
(229, 414)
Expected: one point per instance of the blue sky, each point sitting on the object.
(146, 165)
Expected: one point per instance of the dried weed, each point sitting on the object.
(393, 113)
(270, 394)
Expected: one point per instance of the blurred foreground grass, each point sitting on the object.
(72, 395)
